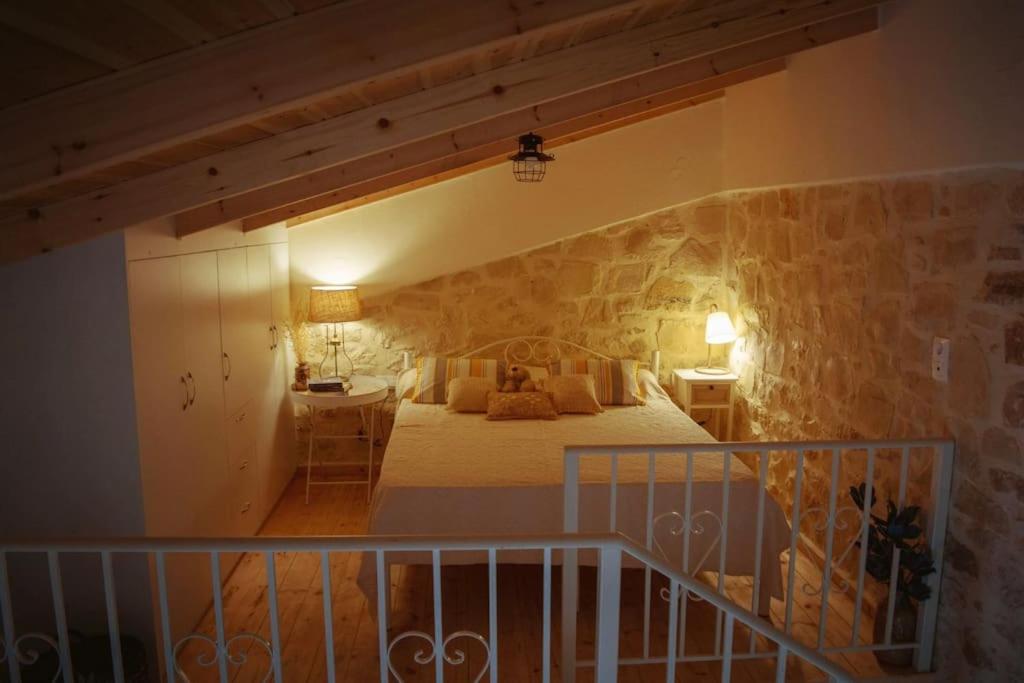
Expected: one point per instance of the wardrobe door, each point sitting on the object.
(235, 326)
(161, 390)
(205, 417)
(278, 438)
(263, 320)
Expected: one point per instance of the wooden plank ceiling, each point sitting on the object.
(116, 112)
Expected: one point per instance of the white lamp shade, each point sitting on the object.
(334, 304)
(719, 329)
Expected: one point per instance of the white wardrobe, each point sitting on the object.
(215, 424)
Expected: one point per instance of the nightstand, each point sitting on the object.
(697, 391)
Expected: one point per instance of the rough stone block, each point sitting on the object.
(1004, 287)
(577, 277)
(913, 200)
(697, 258)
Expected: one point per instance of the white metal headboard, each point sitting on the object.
(536, 350)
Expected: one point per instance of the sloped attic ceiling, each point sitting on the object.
(297, 108)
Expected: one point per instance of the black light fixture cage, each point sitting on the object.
(529, 164)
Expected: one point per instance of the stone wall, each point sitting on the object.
(838, 291)
(624, 290)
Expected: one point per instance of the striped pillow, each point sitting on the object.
(615, 381)
(434, 374)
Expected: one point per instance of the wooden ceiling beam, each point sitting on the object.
(472, 160)
(422, 114)
(281, 66)
(320, 189)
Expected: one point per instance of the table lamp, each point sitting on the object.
(331, 305)
(718, 330)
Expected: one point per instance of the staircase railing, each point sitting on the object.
(438, 640)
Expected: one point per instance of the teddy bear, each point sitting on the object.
(517, 378)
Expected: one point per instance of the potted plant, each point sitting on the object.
(302, 342)
(898, 529)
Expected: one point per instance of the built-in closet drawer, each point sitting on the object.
(711, 393)
(243, 477)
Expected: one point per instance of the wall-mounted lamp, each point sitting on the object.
(717, 330)
(529, 164)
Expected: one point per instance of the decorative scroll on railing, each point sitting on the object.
(221, 654)
(29, 656)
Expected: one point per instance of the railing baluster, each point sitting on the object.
(894, 570)
(794, 536)
(60, 616)
(687, 532)
(218, 612)
(613, 497)
(113, 623)
(570, 572)
(382, 616)
(865, 522)
(726, 469)
(438, 628)
(13, 666)
(608, 598)
(730, 622)
(325, 579)
(942, 476)
(673, 620)
(546, 649)
(762, 478)
(649, 544)
(165, 615)
(830, 533)
(492, 609)
(780, 664)
(275, 626)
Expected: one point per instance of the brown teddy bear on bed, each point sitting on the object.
(517, 378)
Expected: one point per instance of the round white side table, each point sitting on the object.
(366, 392)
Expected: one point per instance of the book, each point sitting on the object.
(329, 384)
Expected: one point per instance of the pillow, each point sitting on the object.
(433, 375)
(469, 394)
(405, 383)
(573, 394)
(614, 380)
(521, 405)
(537, 372)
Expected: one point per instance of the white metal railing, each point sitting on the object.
(610, 549)
(653, 497)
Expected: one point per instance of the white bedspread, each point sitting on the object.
(451, 473)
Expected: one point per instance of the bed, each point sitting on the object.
(458, 473)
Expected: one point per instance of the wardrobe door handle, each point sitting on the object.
(195, 389)
(184, 404)
(273, 337)
(227, 373)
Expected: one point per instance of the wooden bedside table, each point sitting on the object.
(696, 391)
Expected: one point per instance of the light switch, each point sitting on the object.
(940, 359)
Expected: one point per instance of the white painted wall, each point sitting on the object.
(486, 215)
(940, 85)
(69, 454)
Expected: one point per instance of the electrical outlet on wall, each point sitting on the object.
(940, 359)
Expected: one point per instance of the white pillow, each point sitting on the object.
(405, 384)
(649, 385)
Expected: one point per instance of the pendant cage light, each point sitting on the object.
(529, 164)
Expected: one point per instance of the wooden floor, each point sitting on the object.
(343, 510)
